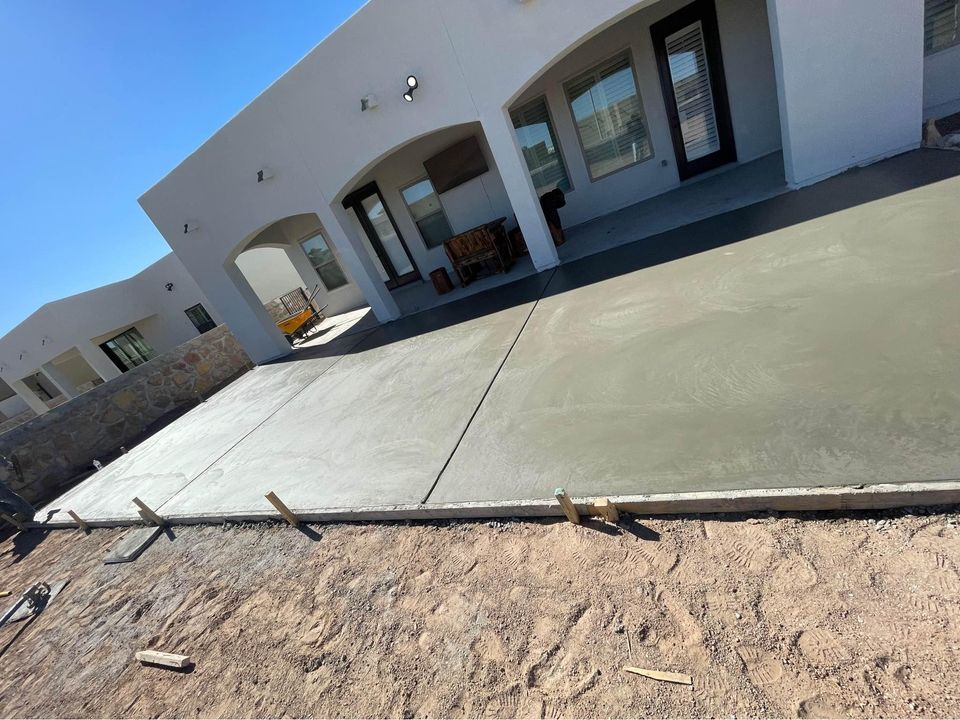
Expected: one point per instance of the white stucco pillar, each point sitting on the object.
(98, 361)
(245, 315)
(60, 380)
(502, 140)
(849, 82)
(357, 261)
(29, 397)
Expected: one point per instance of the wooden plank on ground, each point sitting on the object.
(155, 657)
(673, 677)
(131, 545)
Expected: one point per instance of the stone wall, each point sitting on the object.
(53, 449)
(20, 419)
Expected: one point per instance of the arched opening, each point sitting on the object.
(422, 209)
(296, 274)
(664, 117)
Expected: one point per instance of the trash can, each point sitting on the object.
(441, 281)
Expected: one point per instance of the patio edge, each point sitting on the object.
(868, 497)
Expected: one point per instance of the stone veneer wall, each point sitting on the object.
(53, 448)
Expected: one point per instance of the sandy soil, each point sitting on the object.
(776, 615)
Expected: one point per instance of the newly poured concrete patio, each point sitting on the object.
(808, 340)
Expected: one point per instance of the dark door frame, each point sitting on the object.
(353, 202)
(706, 13)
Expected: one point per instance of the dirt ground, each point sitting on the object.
(775, 615)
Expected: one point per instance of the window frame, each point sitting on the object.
(553, 134)
(626, 52)
(326, 241)
(210, 321)
(443, 210)
(120, 361)
(956, 39)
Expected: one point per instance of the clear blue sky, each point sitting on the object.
(101, 98)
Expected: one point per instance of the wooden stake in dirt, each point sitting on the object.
(80, 523)
(148, 513)
(673, 677)
(161, 658)
(569, 509)
(282, 509)
(606, 509)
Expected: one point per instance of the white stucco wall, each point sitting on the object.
(748, 67)
(269, 272)
(12, 406)
(75, 321)
(850, 74)
(941, 83)
(476, 201)
(849, 90)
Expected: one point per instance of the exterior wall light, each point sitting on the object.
(412, 85)
(264, 173)
(368, 102)
(169, 287)
(190, 226)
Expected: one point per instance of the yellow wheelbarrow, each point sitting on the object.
(296, 325)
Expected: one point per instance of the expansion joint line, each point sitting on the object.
(347, 351)
(489, 385)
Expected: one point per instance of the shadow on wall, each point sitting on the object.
(854, 187)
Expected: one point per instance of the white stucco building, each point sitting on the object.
(72, 344)
(612, 101)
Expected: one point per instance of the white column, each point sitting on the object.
(849, 82)
(98, 361)
(60, 380)
(502, 140)
(359, 265)
(29, 397)
(245, 315)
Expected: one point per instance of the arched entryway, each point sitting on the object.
(291, 265)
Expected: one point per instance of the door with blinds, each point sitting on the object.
(687, 46)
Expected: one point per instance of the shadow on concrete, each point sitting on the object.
(854, 187)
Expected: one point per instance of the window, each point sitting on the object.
(609, 116)
(128, 349)
(539, 144)
(424, 205)
(941, 24)
(200, 318)
(324, 262)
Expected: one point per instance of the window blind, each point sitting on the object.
(691, 89)
(941, 24)
(609, 115)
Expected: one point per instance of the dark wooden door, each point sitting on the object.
(690, 64)
(384, 236)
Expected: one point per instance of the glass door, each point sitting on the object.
(385, 238)
(687, 45)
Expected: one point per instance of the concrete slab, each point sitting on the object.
(163, 464)
(808, 340)
(819, 347)
(380, 425)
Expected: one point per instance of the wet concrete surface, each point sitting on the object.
(811, 339)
